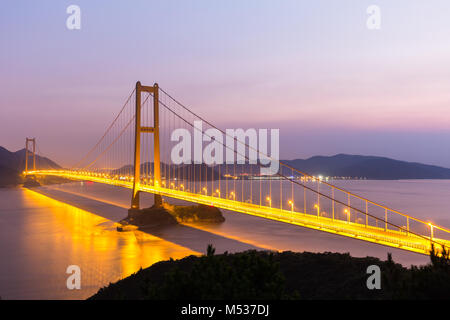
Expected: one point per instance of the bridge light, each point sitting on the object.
(270, 201)
(206, 190)
(233, 195)
(218, 192)
(348, 214)
(182, 187)
(318, 209)
(292, 205)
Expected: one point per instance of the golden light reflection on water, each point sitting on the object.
(69, 235)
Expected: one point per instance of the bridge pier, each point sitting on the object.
(135, 205)
(136, 211)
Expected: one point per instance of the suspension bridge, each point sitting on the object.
(135, 152)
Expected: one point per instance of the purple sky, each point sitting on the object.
(310, 68)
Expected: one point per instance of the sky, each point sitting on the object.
(310, 68)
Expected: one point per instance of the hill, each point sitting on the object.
(41, 162)
(13, 163)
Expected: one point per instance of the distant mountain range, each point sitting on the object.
(340, 165)
(370, 167)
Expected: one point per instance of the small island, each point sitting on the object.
(168, 214)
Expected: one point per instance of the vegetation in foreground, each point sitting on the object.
(286, 275)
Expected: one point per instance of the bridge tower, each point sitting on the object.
(33, 141)
(154, 91)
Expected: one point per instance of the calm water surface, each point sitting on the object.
(40, 235)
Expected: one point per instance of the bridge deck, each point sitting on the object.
(393, 238)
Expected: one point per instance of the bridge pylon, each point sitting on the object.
(154, 91)
(33, 141)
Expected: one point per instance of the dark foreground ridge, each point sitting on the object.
(286, 275)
